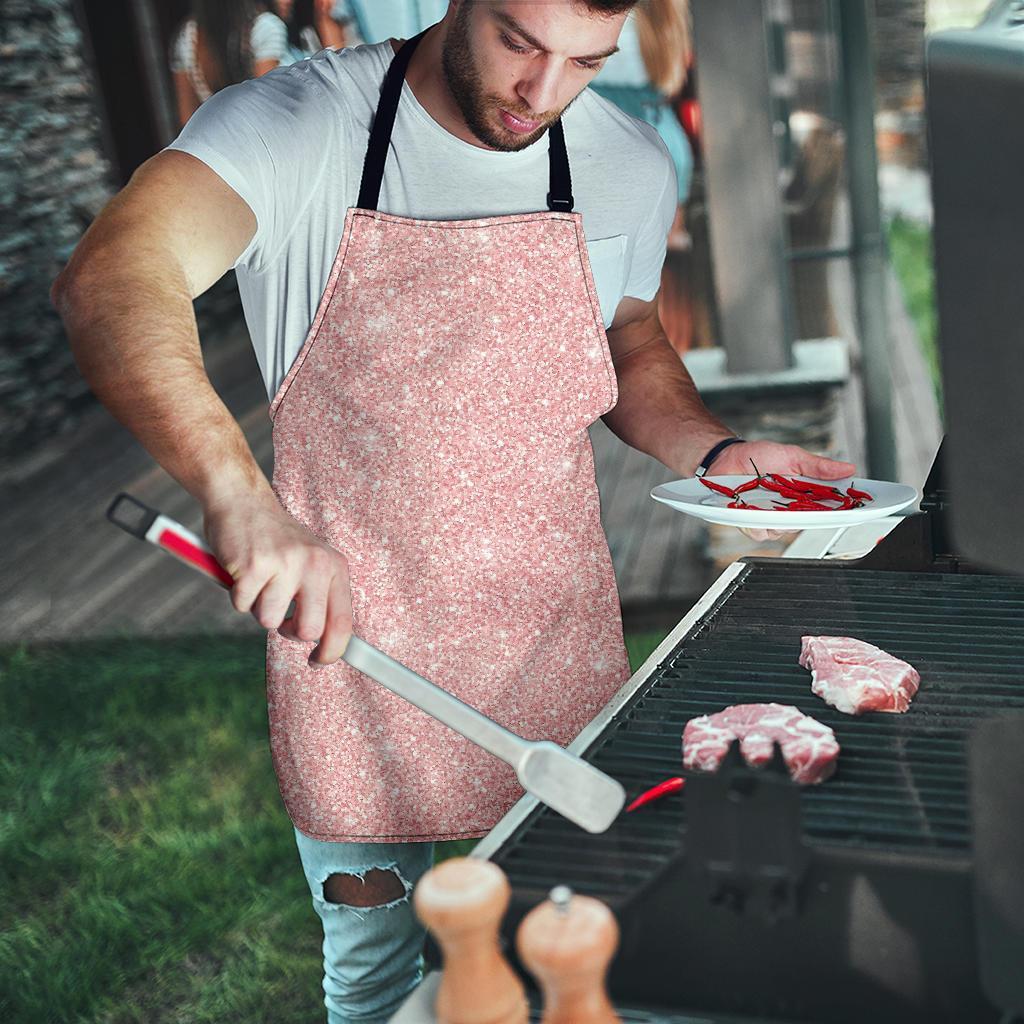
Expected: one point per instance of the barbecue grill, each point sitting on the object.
(895, 890)
(749, 897)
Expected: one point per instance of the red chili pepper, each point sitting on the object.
(862, 495)
(806, 505)
(821, 491)
(786, 492)
(720, 488)
(750, 485)
(808, 487)
(656, 792)
(773, 485)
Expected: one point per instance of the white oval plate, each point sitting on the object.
(693, 498)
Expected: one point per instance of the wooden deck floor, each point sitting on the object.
(66, 572)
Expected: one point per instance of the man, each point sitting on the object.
(428, 312)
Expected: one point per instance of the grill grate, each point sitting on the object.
(901, 785)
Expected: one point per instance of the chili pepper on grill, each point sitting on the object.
(720, 488)
(656, 792)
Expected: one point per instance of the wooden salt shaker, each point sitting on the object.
(462, 901)
(567, 942)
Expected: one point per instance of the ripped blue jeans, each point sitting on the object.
(373, 956)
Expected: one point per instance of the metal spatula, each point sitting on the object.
(563, 781)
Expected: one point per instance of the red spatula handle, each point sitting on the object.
(147, 524)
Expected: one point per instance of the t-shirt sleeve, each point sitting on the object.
(269, 140)
(652, 238)
(269, 38)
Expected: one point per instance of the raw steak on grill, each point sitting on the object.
(855, 677)
(808, 747)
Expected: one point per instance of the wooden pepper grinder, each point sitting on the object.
(567, 942)
(462, 901)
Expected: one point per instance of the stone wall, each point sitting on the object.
(54, 178)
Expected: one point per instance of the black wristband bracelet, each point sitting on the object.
(705, 463)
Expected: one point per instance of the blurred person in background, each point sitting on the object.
(314, 25)
(221, 43)
(648, 73)
(644, 79)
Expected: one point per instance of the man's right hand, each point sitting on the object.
(274, 560)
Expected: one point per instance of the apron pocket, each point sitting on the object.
(608, 265)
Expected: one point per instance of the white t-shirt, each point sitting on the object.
(292, 144)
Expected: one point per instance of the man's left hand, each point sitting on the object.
(771, 457)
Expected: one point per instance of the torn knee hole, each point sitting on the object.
(373, 889)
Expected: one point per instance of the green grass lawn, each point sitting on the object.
(910, 248)
(148, 871)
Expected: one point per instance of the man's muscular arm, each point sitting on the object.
(126, 301)
(660, 412)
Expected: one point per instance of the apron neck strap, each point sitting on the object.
(559, 198)
(560, 195)
(383, 122)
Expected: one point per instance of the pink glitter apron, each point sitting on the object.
(433, 429)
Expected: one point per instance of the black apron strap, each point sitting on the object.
(560, 185)
(560, 195)
(383, 122)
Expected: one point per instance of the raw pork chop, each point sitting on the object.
(855, 677)
(808, 747)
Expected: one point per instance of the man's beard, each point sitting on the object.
(465, 84)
